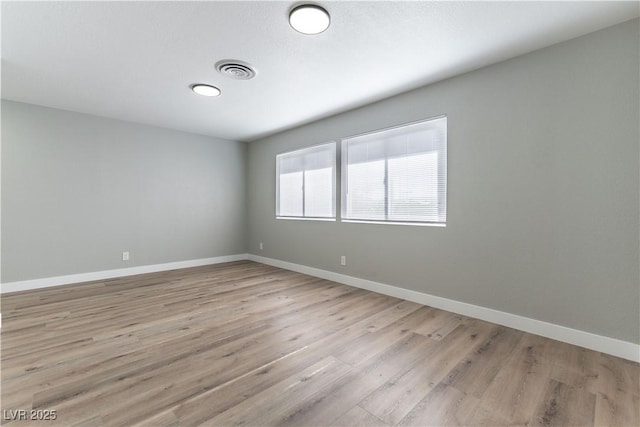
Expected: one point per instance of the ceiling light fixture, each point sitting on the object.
(205, 90)
(309, 19)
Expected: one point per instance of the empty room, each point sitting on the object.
(333, 213)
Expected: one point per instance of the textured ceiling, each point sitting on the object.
(135, 60)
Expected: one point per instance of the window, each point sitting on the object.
(306, 183)
(397, 175)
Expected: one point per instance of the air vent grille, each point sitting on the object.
(236, 69)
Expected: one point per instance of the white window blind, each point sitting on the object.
(305, 183)
(397, 174)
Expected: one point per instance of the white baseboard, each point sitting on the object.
(612, 346)
(46, 282)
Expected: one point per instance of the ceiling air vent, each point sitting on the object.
(236, 69)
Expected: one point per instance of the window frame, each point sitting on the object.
(442, 163)
(334, 193)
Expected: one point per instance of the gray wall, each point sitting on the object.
(543, 190)
(78, 190)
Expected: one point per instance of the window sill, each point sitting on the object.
(299, 218)
(420, 224)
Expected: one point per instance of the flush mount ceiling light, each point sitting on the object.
(309, 19)
(205, 90)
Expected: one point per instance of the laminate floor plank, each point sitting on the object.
(616, 389)
(243, 343)
(563, 405)
(443, 406)
(358, 417)
(360, 350)
(476, 371)
(213, 402)
(275, 403)
(326, 405)
(397, 397)
(573, 365)
(520, 384)
(440, 324)
(196, 410)
(617, 409)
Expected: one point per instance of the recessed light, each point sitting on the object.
(309, 19)
(205, 90)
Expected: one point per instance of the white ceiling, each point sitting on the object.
(135, 60)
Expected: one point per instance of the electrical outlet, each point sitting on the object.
(125, 256)
(343, 260)
(261, 246)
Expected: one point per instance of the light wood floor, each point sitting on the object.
(247, 344)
